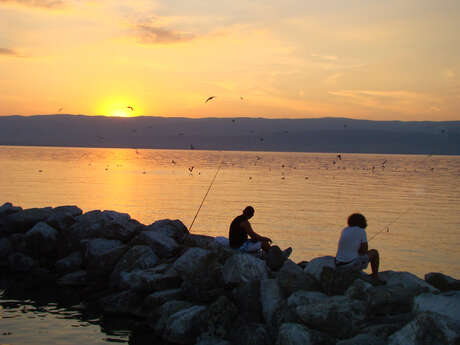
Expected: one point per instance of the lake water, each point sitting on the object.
(302, 200)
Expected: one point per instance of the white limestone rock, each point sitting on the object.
(447, 304)
(242, 267)
(193, 262)
(315, 266)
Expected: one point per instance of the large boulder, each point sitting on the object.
(315, 267)
(156, 299)
(170, 228)
(70, 263)
(193, 262)
(20, 222)
(148, 280)
(358, 290)
(407, 280)
(41, 240)
(362, 339)
(77, 278)
(272, 301)
(21, 263)
(8, 208)
(447, 304)
(63, 217)
(251, 334)
(296, 334)
(247, 298)
(5, 249)
(220, 317)
(184, 326)
(391, 299)
(244, 268)
(165, 311)
(442, 282)
(136, 258)
(123, 303)
(163, 245)
(97, 224)
(209, 243)
(101, 255)
(305, 297)
(428, 328)
(338, 316)
(206, 339)
(291, 278)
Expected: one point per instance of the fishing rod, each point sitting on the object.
(209, 188)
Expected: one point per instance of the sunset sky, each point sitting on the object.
(378, 60)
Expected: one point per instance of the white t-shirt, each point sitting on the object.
(349, 243)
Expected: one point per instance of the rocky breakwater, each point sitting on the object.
(188, 289)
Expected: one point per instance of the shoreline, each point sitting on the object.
(187, 288)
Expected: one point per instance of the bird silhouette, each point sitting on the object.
(209, 98)
(130, 107)
(339, 156)
(241, 98)
(60, 109)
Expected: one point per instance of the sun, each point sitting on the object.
(119, 106)
(120, 113)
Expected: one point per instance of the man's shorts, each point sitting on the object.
(250, 246)
(358, 264)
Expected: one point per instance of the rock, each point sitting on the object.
(247, 298)
(447, 304)
(428, 328)
(158, 298)
(442, 282)
(166, 310)
(358, 290)
(136, 258)
(408, 280)
(21, 263)
(275, 258)
(315, 266)
(41, 240)
(7, 208)
(70, 263)
(220, 317)
(107, 225)
(77, 278)
(389, 299)
(294, 334)
(184, 326)
(63, 217)
(337, 281)
(125, 302)
(337, 316)
(20, 222)
(362, 339)
(271, 300)
(148, 281)
(163, 246)
(244, 268)
(200, 241)
(101, 255)
(5, 249)
(170, 228)
(251, 334)
(18, 242)
(305, 297)
(209, 340)
(292, 278)
(194, 261)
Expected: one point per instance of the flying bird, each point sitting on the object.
(130, 107)
(60, 109)
(210, 98)
(241, 98)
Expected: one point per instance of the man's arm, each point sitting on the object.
(247, 226)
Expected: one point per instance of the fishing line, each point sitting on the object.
(209, 188)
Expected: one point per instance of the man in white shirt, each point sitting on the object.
(353, 252)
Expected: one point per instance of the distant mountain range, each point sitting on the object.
(245, 134)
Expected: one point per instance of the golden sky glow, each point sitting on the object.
(380, 60)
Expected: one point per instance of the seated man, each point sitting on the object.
(240, 229)
(352, 252)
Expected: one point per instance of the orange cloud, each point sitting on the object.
(36, 3)
(157, 35)
(6, 51)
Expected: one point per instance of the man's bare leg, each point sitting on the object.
(374, 259)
